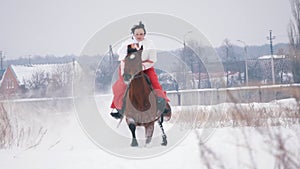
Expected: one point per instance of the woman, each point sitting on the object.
(149, 57)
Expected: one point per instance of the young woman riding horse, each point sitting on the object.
(149, 57)
(137, 92)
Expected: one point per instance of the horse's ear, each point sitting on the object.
(130, 49)
(141, 48)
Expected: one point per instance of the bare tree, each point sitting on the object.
(62, 75)
(294, 38)
(60, 80)
(38, 80)
(228, 59)
(194, 54)
(36, 85)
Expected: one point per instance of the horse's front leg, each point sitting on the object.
(149, 132)
(132, 128)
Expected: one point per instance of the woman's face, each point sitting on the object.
(139, 34)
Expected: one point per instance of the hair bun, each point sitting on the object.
(139, 26)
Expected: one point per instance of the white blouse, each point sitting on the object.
(149, 54)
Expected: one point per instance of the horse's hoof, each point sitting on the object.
(134, 143)
(164, 143)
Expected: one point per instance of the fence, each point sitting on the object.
(234, 95)
(210, 96)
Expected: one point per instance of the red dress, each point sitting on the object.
(119, 88)
(149, 57)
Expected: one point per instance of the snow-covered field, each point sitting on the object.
(64, 145)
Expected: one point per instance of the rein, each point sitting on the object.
(142, 74)
(146, 77)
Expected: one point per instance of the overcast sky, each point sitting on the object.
(62, 27)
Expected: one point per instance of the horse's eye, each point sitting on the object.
(132, 56)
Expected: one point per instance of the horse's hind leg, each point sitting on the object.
(164, 136)
(132, 128)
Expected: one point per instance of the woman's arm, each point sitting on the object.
(149, 55)
(122, 51)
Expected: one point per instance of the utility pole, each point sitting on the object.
(246, 60)
(190, 57)
(1, 60)
(1, 68)
(199, 74)
(272, 57)
(111, 59)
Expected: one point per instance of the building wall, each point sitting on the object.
(9, 83)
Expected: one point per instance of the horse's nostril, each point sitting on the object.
(127, 77)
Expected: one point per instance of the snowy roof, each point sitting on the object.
(270, 56)
(26, 72)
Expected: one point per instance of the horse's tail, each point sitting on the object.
(167, 112)
(167, 116)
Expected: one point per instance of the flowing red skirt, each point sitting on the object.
(119, 88)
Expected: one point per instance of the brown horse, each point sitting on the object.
(140, 104)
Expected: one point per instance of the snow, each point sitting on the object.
(270, 56)
(66, 145)
(25, 73)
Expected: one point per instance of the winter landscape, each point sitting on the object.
(231, 70)
(47, 134)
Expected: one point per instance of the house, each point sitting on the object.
(8, 83)
(40, 78)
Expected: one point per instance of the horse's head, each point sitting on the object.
(132, 63)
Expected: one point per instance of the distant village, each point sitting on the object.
(32, 80)
(37, 80)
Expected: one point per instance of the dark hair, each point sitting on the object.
(139, 26)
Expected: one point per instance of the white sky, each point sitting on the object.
(61, 27)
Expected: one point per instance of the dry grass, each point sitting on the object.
(15, 135)
(266, 121)
(6, 134)
(238, 115)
